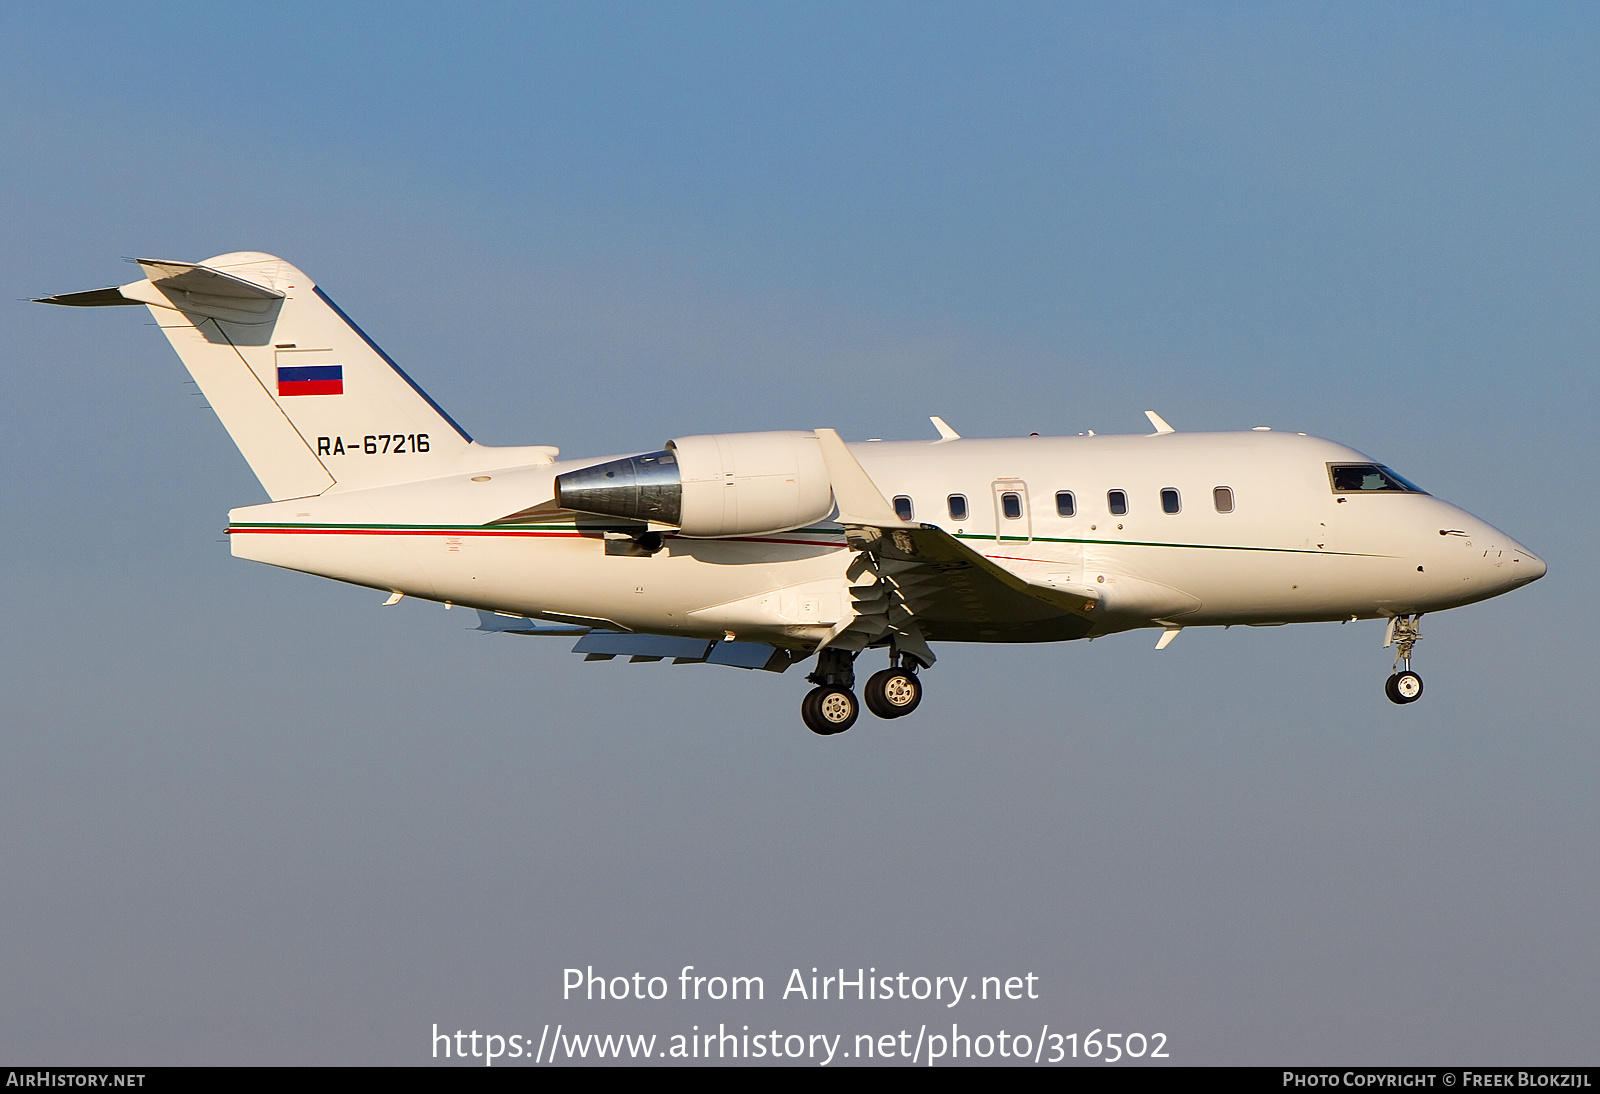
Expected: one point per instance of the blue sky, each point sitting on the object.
(233, 835)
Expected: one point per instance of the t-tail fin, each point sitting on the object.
(311, 401)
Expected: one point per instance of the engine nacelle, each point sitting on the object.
(720, 484)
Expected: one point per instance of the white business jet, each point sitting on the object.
(761, 550)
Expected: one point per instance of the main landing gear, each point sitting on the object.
(831, 706)
(893, 692)
(1404, 686)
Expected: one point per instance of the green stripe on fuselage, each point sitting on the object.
(968, 536)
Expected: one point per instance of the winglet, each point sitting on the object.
(1159, 422)
(945, 432)
(858, 497)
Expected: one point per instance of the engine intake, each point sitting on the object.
(721, 484)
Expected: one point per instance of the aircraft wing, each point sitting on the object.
(915, 583)
(946, 569)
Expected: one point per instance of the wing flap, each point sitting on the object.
(598, 644)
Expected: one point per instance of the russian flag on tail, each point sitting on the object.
(310, 379)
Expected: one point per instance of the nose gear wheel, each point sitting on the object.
(1403, 687)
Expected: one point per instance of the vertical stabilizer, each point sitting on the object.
(311, 401)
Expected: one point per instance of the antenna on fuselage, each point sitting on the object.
(1159, 422)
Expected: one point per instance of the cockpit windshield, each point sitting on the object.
(1369, 478)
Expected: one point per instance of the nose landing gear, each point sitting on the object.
(1404, 686)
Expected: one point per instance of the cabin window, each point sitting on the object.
(1222, 498)
(1170, 502)
(1066, 504)
(1011, 505)
(1368, 478)
(958, 506)
(902, 507)
(1117, 500)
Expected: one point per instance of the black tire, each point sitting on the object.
(1403, 687)
(1407, 687)
(892, 693)
(827, 711)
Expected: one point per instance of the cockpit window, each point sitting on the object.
(1369, 478)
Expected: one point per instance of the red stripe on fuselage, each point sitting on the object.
(458, 533)
(394, 532)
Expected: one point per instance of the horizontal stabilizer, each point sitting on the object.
(184, 286)
(91, 298)
(190, 277)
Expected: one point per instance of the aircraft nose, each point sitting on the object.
(1518, 566)
(1497, 563)
(1530, 566)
